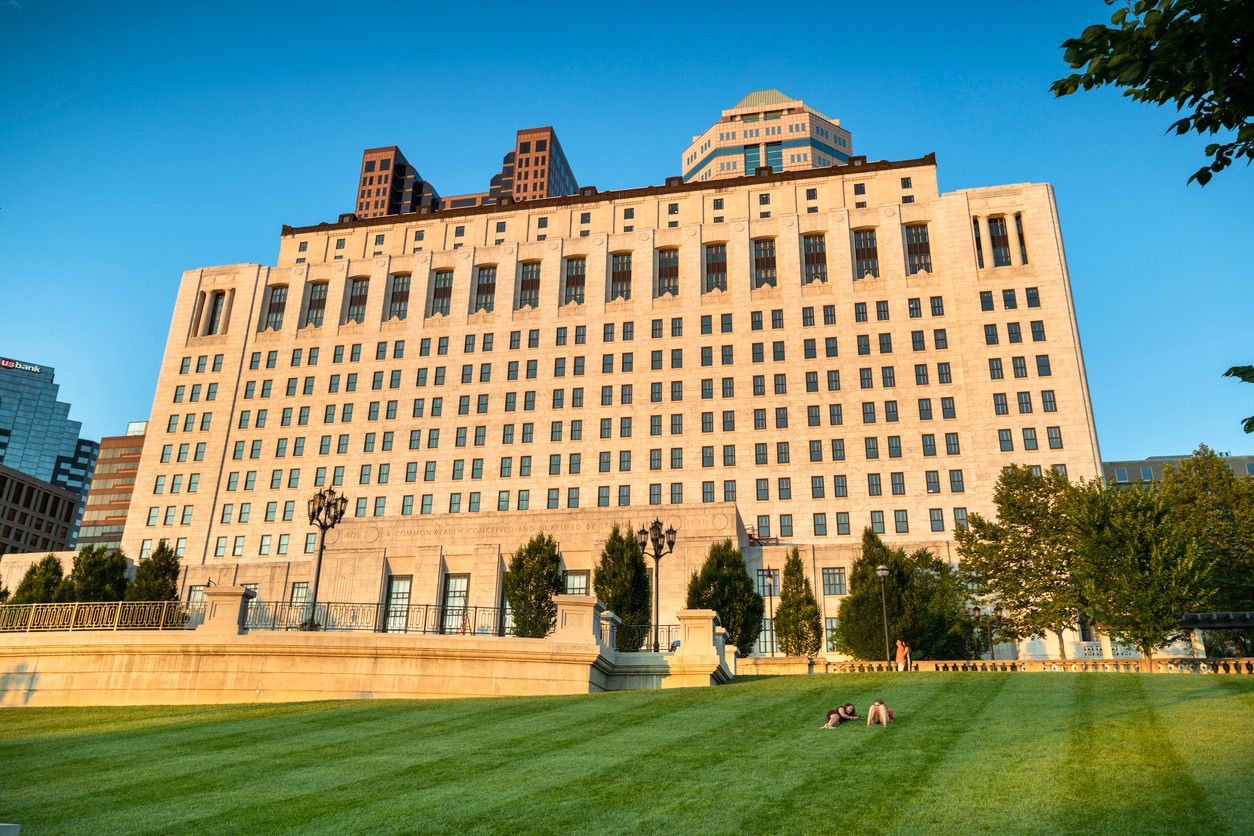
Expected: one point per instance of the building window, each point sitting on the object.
(814, 249)
(274, 310)
(485, 290)
(529, 285)
(764, 263)
(442, 292)
(620, 276)
(668, 273)
(918, 249)
(1000, 242)
(865, 254)
(358, 291)
(833, 580)
(398, 305)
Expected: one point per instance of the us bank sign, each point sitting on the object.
(18, 365)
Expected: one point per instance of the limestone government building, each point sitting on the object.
(783, 345)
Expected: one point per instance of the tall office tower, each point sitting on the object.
(389, 185)
(113, 483)
(36, 436)
(766, 128)
(781, 359)
(535, 169)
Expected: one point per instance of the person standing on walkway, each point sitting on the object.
(903, 655)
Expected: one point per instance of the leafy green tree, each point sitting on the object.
(797, 620)
(156, 576)
(1195, 54)
(39, 584)
(99, 574)
(860, 617)
(1138, 570)
(4, 593)
(723, 585)
(1023, 560)
(1246, 375)
(938, 622)
(534, 577)
(621, 582)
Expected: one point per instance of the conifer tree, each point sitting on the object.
(39, 584)
(156, 576)
(534, 577)
(797, 620)
(621, 583)
(723, 585)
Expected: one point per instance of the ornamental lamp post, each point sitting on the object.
(656, 538)
(326, 509)
(770, 597)
(882, 572)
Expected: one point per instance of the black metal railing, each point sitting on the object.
(640, 637)
(104, 615)
(429, 619)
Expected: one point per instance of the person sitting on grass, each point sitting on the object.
(880, 714)
(839, 715)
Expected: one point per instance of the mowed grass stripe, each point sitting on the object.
(749, 756)
(1123, 771)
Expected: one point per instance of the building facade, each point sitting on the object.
(780, 359)
(389, 185)
(35, 516)
(1151, 470)
(766, 128)
(113, 483)
(37, 437)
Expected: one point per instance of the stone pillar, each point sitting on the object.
(577, 621)
(609, 630)
(1107, 651)
(226, 608)
(696, 632)
(1199, 644)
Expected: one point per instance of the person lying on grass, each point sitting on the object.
(839, 715)
(879, 714)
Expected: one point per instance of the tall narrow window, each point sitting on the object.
(575, 271)
(1023, 245)
(668, 272)
(358, 290)
(814, 248)
(529, 289)
(217, 302)
(918, 249)
(715, 267)
(485, 289)
(979, 246)
(398, 306)
(865, 254)
(274, 310)
(1000, 242)
(442, 292)
(620, 276)
(764, 263)
(317, 305)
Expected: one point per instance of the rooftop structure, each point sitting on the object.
(766, 128)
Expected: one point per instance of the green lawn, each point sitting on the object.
(971, 753)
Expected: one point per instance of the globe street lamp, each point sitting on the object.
(770, 597)
(882, 572)
(326, 509)
(658, 539)
(993, 616)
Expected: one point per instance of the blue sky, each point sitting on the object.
(139, 140)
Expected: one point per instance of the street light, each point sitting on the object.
(658, 539)
(326, 509)
(994, 615)
(770, 596)
(882, 572)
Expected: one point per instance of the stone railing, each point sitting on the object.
(1163, 665)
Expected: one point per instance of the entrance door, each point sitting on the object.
(456, 590)
(396, 614)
